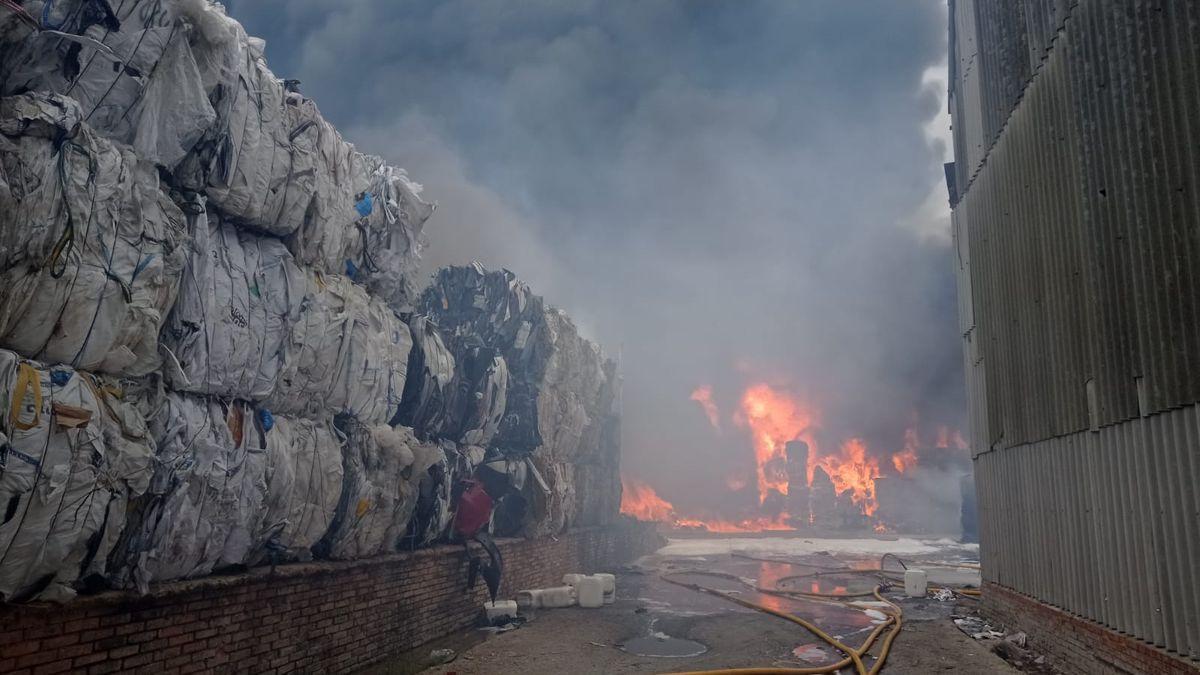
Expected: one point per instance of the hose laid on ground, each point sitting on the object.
(854, 656)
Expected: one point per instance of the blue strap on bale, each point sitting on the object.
(365, 205)
(266, 419)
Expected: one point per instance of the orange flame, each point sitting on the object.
(642, 502)
(703, 396)
(853, 470)
(774, 419)
(907, 458)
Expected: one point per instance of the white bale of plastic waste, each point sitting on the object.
(238, 303)
(383, 470)
(91, 249)
(133, 71)
(184, 85)
(347, 353)
(916, 583)
(75, 454)
(590, 591)
(249, 323)
(303, 488)
(610, 587)
(366, 222)
(206, 497)
(235, 485)
(500, 609)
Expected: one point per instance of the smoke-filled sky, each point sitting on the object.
(719, 192)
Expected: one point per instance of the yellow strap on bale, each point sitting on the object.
(27, 377)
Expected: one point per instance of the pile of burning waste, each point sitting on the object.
(917, 488)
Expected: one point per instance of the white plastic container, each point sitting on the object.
(916, 583)
(610, 587)
(501, 608)
(546, 598)
(558, 596)
(529, 599)
(572, 580)
(591, 592)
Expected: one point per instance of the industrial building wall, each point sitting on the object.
(1077, 226)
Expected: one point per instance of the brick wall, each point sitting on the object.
(327, 616)
(1077, 645)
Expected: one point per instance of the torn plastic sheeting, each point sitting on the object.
(480, 392)
(91, 249)
(138, 85)
(435, 494)
(66, 485)
(347, 353)
(238, 302)
(423, 405)
(383, 469)
(472, 306)
(561, 392)
(551, 512)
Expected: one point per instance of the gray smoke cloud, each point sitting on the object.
(722, 193)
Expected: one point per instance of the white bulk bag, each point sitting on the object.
(73, 455)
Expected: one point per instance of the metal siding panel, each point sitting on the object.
(1078, 251)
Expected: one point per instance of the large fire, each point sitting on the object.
(642, 502)
(851, 469)
(775, 418)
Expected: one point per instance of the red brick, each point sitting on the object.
(19, 649)
(53, 667)
(81, 625)
(89, 659)
(122, 652)
(104, 667)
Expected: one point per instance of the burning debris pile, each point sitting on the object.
(213, 353)
(915, 489)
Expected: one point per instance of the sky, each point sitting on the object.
(719, 193)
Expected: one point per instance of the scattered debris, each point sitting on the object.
(943, 595)
(977, 628)
(441, 656)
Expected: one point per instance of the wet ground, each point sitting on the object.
(658, 626)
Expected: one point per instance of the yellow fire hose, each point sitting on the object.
(853, 656)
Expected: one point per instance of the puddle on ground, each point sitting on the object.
(663, 646)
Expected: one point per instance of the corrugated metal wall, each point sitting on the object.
(1103, 524)
(1078, 253)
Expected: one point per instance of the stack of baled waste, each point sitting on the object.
(559, 412)
(202, 349)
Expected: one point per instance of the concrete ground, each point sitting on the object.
(651, 612)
